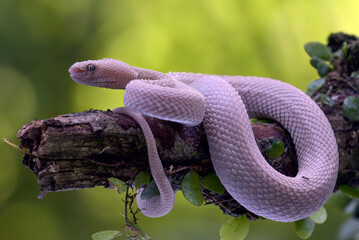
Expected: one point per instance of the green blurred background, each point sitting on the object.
(40, 39)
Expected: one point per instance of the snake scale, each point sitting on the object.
(224, 104)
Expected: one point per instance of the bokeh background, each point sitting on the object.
(40, 39)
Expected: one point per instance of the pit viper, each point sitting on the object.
(224, 104)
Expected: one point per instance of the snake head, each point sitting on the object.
(107, 73)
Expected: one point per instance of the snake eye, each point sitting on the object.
(91, 67)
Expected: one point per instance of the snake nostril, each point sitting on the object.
(76, 69)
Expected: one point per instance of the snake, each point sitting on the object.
(223, 104)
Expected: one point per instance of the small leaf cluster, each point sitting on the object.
(320, 57)
(238, 228)
(130, 231)
(305, 227)
(192, 189)
(235, 228)
(191, 186)
(313, 88)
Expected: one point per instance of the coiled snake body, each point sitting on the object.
(223, 104)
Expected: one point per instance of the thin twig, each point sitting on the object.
(171, 171)
(126, 202)
(25, 151)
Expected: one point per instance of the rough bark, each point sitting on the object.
(82, 150)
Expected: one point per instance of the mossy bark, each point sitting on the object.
(340, 84)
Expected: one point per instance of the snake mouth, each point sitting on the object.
(76, 76)
(101, 82)
(79, 78)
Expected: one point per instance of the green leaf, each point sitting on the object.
(323, 68)
(351, 108)
(304, 228)
(327, 99)
(349, 191)
(319, 216)
(191, 188)
(118, 184)
(317, 49)
(106, 235)
(276, 149)
(212, 182)
(235, 228)
(150, 191)
(142, 179)
(314, 61)
(315, 85)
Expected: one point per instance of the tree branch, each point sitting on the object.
(82, 150)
